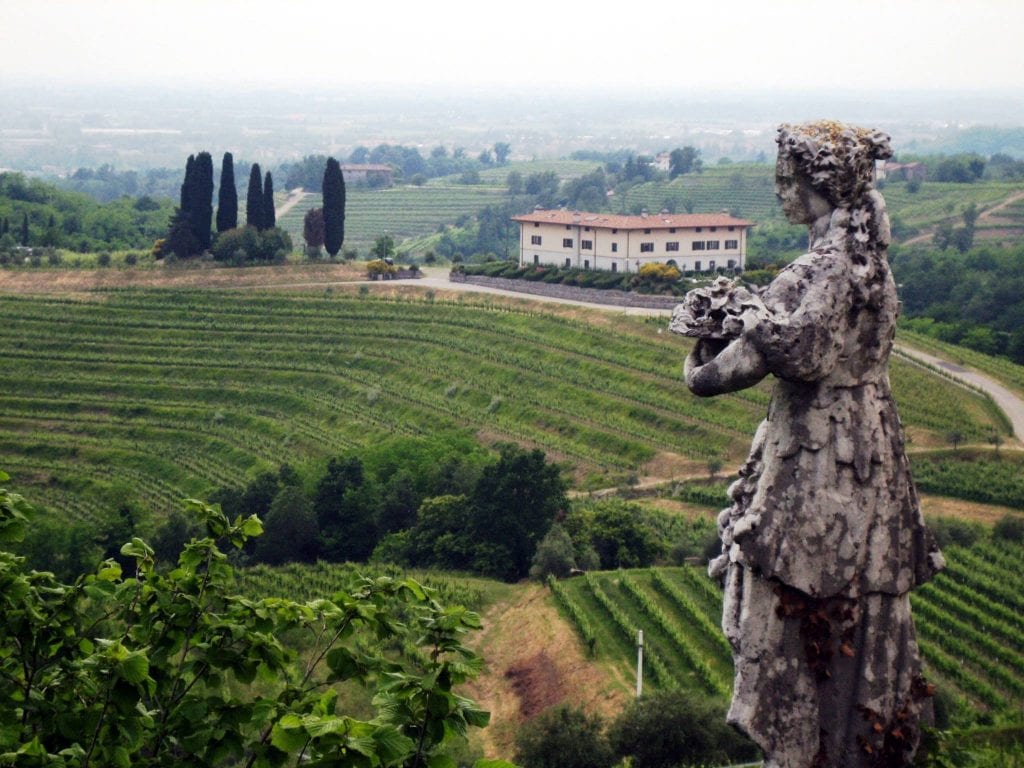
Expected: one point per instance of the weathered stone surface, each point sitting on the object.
(825, 537)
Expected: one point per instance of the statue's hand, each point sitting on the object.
(716, 366)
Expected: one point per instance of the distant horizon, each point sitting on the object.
(734, 45)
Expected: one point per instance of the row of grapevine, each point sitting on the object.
(658, 670)
(689, 610)
(576, 614)
(683, 646)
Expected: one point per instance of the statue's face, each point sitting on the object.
(801, 202)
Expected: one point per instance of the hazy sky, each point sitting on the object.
(679, 44)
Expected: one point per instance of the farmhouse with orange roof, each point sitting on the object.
(696, 242)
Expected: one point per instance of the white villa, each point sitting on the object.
(697, 242)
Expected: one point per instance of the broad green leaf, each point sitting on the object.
(137, 549)
(288, 734)
(343, 663)
(494, 764)
(392, 746)
(134, 668)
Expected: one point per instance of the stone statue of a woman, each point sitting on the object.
(824, 538)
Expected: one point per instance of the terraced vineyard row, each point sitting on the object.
(970, 623)
(177, 393)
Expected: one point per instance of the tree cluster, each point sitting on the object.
(417, 503)
(670, 729)
(190, 232)
(106, 184)
(974, 298)
(152, 666)
(35, 213)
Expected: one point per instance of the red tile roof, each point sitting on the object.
(650, 221)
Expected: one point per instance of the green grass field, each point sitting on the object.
(175, 393)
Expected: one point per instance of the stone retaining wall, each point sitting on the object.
(571, 292)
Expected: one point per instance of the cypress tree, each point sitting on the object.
(24, 229)
(254, 198)
(334, 207)
(202, 201)
(227, 196)
(188, 185)
(269, 218)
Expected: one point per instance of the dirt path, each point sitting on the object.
(294, 198)
(983, 216)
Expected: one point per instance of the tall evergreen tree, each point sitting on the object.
(202, 201)
(24, 229)
(227, 196)
(334, 207)
(188, 185)
(269, 218)
(254, 198)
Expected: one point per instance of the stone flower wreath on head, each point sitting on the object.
(840, 160)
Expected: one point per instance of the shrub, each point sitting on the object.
(380, 268)
(53, 258)
(103, 259)
(563, 737)
(949, 530)
(1010, 528)
(247, 244)
(660, 272)
(131, 259)
(554, 555)
(673, 728)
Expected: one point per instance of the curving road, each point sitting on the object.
(1010, 403)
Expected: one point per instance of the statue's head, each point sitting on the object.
(837, 161)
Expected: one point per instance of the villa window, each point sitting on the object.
(567, 242)
(674, 246)
(732, 245)
(587, 245)
(535, 240)
(698, 245)
(646, 247)
(615, 247)
(713, 245)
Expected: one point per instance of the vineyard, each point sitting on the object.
(747, 189)
(401, 212)
(176, 393)
(970, 625)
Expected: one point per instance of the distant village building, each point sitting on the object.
(695, 242)
(368, 173)
(902, 171)
(663, 161)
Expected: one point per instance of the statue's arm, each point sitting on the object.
(805, 343)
